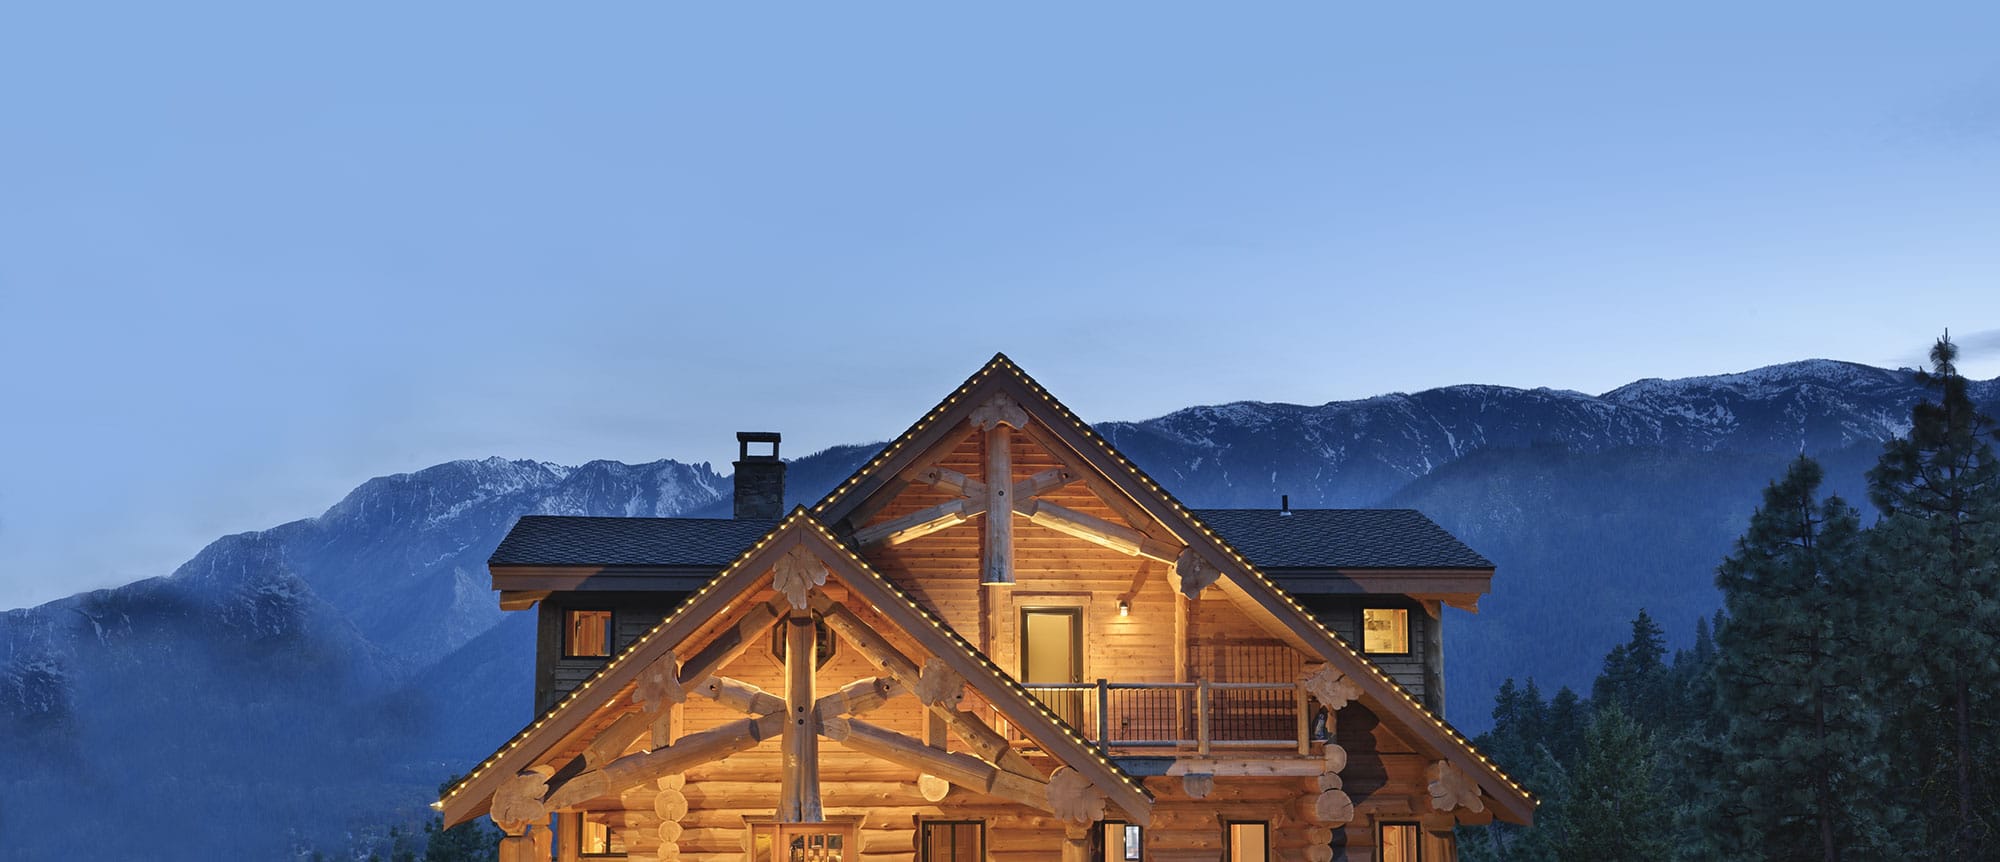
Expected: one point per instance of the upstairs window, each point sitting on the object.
(587, 634)
(1385, 631)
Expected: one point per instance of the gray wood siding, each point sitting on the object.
(1413, 671)
(632, 615)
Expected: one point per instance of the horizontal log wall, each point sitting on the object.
(1051, 570)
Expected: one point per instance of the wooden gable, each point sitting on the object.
(910, 511)
(651, 715)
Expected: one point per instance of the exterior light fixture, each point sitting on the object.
(1124, 608)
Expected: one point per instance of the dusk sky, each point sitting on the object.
(252, 255)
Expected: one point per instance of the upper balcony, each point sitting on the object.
(1188, 718)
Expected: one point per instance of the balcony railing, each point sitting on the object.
(1200, 715)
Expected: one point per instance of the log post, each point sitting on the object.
(517, 846)
(1104, 716)
(997, 567)
(1201, 716)
(570, 824)
(798, 794)
(1304, 699)
(1076, 841)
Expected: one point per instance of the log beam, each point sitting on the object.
(690, 751)
(961, 769)
(1098, 485)
(1091, 528)
(951, 481)
(611, 744)
(739, 695)
(920, 523)
(983, 739)
(732, 643)
(857, 697)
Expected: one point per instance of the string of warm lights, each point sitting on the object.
(1082, 745)
(1020, 692)
(801, 515)
(619, 661)
(1000, 361)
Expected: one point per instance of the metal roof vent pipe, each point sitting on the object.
(1284, 505)
(760, 477)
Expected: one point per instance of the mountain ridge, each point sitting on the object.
(372, 624)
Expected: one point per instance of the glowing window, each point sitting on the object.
(1385, 630)
(597, 838)
(1249, 842)
(587, 634)
(1119, 842)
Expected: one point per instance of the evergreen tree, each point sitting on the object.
(1635, 675)
(1939, 492)
(1800, 748)
(1568, 715)
(1616, 810)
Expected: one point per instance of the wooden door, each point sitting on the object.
(1052, 652)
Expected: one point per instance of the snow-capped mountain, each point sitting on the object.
(365, 648)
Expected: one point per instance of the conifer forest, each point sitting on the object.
(1843, 705)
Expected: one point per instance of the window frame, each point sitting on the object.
(1409, 632)
(610, 633)
(1229, 843)
(924, 844)
(1102, 853)
(582, 820)
(1417, 836)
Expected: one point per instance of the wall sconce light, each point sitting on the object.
(1124, 608)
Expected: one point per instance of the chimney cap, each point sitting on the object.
(1284, 505)
(745, 438)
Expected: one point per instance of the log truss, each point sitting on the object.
(997, 420)
(797, 717)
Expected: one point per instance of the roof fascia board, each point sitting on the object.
(1376, 684)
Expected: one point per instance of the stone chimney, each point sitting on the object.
(760, 478)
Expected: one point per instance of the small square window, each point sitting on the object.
(587, 634)
(1385, 630)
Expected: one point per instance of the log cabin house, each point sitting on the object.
(897, 675)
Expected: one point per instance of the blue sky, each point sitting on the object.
(252, 255)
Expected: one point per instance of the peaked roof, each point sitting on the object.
(1001, 375)
(563, 540)
(1307, 538)
(471, 796)
(1341, 539)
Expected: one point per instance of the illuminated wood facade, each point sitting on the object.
(898, 675)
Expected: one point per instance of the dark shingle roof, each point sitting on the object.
(1307, 539)
(1341, 539)
(550, 540)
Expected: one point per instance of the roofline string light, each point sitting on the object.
(1008, 683)
(1104, 446)
(1000, 360)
